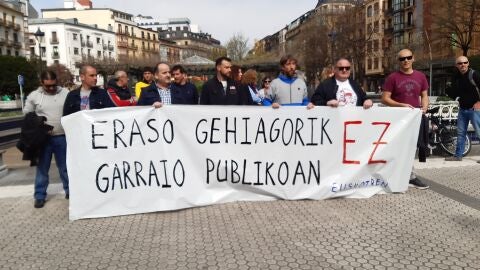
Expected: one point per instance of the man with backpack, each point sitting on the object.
(465, 87)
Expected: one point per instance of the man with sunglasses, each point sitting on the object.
(407, 88)
(340, 90)
(465, 87)
(48, 101)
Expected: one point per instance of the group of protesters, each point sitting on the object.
(163, 85)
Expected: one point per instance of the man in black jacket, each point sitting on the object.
(221, 89)
(340, 90)
(465, 87)
(88, 96)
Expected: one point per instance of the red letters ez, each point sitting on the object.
(376, 143)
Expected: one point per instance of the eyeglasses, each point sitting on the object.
(462, 63)
(51, 86)
(343, 68)
(401, 59)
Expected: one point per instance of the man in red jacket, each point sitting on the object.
(118, 91)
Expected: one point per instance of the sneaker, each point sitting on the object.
(39, 203)
(416, 183)
(67, 196)
(453, 158)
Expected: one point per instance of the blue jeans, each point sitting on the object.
(464, 117)
(56, 145)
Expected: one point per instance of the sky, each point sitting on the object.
(255, 19)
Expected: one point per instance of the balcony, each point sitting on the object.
(2, 41)
(122, 44)
(89, 44)
(104, 46)
(9, 43)
(133, 46)
(82, 42)
(17, 45)
(55, 56)
(122, 33)
(17, 27)
(54, 41)
(31, 42)
(8, 24)
(110, 47)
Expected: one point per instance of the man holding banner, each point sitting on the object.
(407, 88)
(340, 90)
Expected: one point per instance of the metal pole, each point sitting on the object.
(21, 96)
(430, 66)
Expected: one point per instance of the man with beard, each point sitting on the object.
(118, 90)
(221, 89)
(288, 89)
(159, 93)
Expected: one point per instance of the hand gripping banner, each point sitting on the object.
(136, 160)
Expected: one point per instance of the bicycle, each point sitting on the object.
(444, 134)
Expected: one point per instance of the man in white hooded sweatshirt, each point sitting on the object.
(48, 101)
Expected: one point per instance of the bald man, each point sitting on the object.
(469, 103)
(407, 88)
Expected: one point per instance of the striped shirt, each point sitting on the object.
(165, 95)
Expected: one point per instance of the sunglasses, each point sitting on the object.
(462, 63)
(401, 59)
(343, 68)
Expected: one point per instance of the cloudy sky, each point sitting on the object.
(222, 18)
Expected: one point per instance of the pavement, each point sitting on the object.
(438, 228)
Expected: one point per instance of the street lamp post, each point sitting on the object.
(38, 36)
(332, 35)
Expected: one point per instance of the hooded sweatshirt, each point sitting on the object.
(289, 91)
(48, 105)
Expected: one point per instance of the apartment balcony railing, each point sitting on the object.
(17, 44)
(89, 44)
(110, 47)
(82, 42)
(122, 44)
(55, 56)
(54, 41)
(2, 41)
(9, 43)
(17, 27)
(104, 46)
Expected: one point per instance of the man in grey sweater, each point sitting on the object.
(48, 101)
(288, 89)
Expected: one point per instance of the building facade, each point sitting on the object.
(70, 43)
(134, 44)
(12, 30)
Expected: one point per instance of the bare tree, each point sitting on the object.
(237, 47)
(456, 21)
(64, 76)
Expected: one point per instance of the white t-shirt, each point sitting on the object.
(85, 99)
(224, 84)
(345, 94)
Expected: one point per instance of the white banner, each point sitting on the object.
(135, 160)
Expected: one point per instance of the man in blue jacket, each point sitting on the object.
(182, 90)
(88, 96)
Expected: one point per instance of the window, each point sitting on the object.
(99, 40)
(55, 50)
(15, 37)
(75, 36)
(375, 45)
(143, 35)
(376, 27)
(54, 35)
(178, 28)
(43, 51)
(17, 53)
(75, 51)
(369, 64)
(375, 63)
(99, 54)
(369, 11)
(56, 62)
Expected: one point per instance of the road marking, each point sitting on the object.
(453, 194)
(27, 191)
